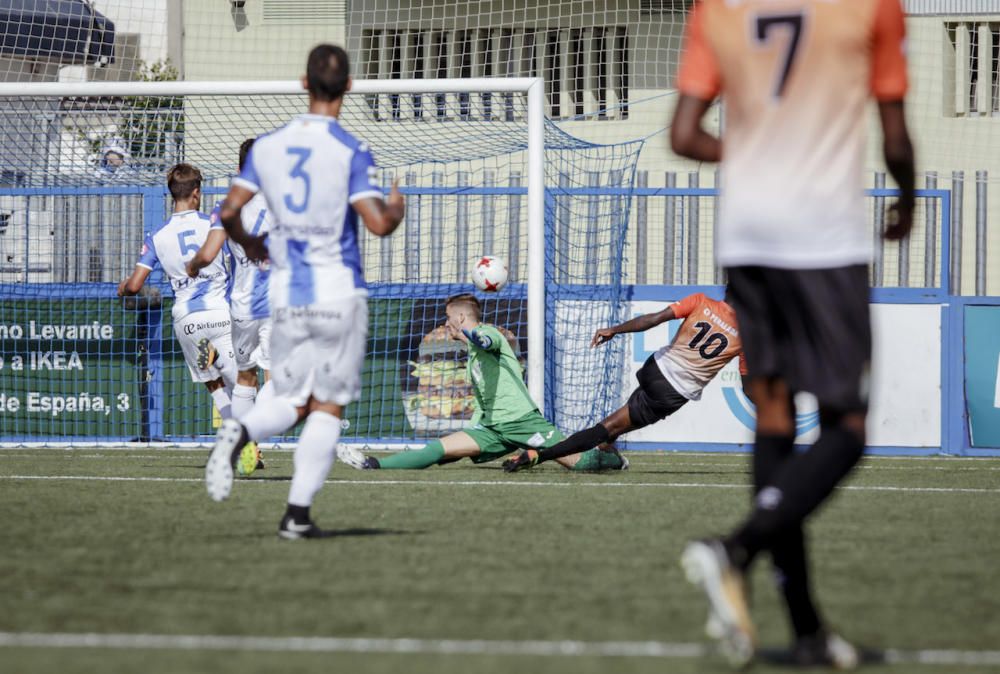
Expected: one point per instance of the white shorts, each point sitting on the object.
(252, 342)
(319, 351)
(214, 326)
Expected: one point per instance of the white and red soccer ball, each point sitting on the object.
(489, 273)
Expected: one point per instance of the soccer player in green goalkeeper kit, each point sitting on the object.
(506, 418)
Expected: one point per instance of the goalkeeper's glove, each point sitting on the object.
(479, 339)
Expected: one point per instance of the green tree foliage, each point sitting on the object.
(152, 127)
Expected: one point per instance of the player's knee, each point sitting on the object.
(247, 377)
(775, 409)
(330, 408)
(851, 423)
(214, 385)
(617, 423)
(775, 419)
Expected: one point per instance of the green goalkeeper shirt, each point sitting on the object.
(496, 378)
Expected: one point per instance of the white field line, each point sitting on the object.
(628, 649)
(508, 483)
(736, 463)
(639, 455)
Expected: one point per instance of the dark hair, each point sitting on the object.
(183, 180)
(245, 150)
(466, 301)
(327, 72)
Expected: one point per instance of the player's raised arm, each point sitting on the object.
(898, 150)
(687, 136)
(381, 218)
(637, 324)
(888, 85)
(481, 338)
(229, 215)
(133, 284)
(698, 82)
(143, 267)
(211, 248)
(244, 186)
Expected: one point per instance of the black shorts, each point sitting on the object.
(809, 327)
(655, 398)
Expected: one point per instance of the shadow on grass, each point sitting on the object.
(364, 531)
(777, 657)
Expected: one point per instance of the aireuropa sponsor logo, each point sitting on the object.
(191, 328)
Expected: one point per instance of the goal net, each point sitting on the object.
(72, 213)
(78, 364)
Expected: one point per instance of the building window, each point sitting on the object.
(586, 70)
(972, 69)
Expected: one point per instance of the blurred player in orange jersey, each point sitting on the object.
(706, 340)
(795, 77)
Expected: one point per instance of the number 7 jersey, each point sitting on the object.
(795, 78)
(310, 171)
(706, 340)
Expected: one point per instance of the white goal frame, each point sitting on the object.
(532, 86)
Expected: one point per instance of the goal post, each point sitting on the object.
(466, 151)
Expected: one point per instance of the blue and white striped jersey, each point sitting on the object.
(172, 245)
(248, 295)
(310, 171)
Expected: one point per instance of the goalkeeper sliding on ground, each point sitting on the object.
(506, 418)
(706, 340)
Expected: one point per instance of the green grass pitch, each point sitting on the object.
(484, 571)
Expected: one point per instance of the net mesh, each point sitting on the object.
(609, 69)
(71, 212)
(72, 233)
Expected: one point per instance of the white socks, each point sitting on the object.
(264, 421)
(222, 403)
(243, 398)
(314, 457)
(266, 391)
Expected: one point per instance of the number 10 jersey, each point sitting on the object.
(706, 340)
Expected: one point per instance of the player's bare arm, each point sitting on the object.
(133, 284)
(229, 214)
(208, 252)
(687, 136)
(638, 324)
(381, 218)
(898, 150)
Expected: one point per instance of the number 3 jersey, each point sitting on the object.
(706, 340)
(795, 77)
(310, 171)
(172, 245)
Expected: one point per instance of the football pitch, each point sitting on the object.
(116, 561)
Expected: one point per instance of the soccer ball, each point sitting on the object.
(489, 273)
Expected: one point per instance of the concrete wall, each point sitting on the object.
(227, 44)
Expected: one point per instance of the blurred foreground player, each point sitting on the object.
(794, 238)
(706, 340)
(317, 179)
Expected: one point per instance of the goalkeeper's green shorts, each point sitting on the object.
(530, 431)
